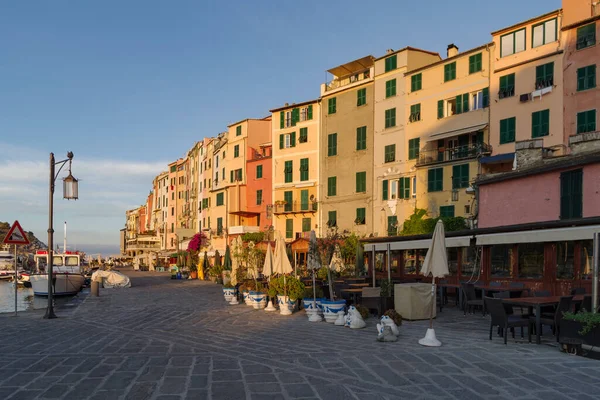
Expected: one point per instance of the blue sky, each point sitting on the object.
(130, 85)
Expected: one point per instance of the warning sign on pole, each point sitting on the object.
(16, 235)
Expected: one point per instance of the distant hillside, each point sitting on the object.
(35, 244)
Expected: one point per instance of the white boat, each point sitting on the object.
(66, 271)
(7, 263)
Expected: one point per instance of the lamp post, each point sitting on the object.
(70, 192)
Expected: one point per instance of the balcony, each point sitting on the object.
(347, 80)
(302, 235)
(241, 229)
(295, 207)
(441, 154)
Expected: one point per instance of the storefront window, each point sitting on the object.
(531, 260)
(380, 264)
(502, 261)
(565, 255)
(587, 250)
(395, 259)
(410, 261)
(453, 260)
(468, 261)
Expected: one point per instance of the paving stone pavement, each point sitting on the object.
(164, 339)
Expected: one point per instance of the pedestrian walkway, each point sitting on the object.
(170, 339)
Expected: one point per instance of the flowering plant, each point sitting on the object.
(198, 241)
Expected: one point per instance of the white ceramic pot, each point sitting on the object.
(332, 308)
(259, 299)
(229, 293)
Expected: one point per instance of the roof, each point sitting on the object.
(464, 53)
(580, 23)
(549, 165)
(508, 28)
(248, 119)
(352, 67)
(408, 48)
(293, 105)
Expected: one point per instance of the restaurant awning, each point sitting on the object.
(456, 132)
(461, 241)
(542, 235)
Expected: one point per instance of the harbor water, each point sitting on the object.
(25, 298)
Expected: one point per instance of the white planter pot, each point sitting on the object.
(286, 306)
(259, 300)
(332, 308)
(229, 293)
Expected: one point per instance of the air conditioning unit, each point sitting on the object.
(525, 97)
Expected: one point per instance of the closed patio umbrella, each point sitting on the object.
(268, 265)
(436, 265)
(313, 264)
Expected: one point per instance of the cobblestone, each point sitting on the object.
(140, 344)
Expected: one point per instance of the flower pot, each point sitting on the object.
(194, 274)
(228, 293)
(332, 308)
(259, 299)
(286, 306)
(246, 297)
(311, 307)
(569, 334)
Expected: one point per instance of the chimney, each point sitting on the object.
(452, 50)
(388, 51)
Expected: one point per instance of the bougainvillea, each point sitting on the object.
(197, 242)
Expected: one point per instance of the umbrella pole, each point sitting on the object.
(433, 303)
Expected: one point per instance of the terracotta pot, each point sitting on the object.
(194, 274)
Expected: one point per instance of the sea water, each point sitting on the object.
(25, 298)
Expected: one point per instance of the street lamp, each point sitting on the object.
(70, 192)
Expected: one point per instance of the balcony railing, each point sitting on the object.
(440, 155)
(347, 80)
(241, 229)
(295, 207)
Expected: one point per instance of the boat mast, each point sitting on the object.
(65, 239)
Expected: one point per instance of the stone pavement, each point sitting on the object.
(167, 340)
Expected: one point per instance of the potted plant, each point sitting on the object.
(228, 291)
(193, 271)
(258, 296)
(387, 296)
(289, 289)
(249, 286)
(580, 328)
(308, 300)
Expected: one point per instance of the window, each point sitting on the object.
(392, 225)
(586, 121)
(544, 76)
(507, 130)
(586, 36)
(450, 72)
(361, 138)
(288, 171)
(478, 99)
(507, 86)
(475, 63)
(238, 130)
(460, 176)
(258, 197)
(391, 63)
(385, 184)
(306, 113)
(306, 224)
(390, 88)
(304, 200)
(331, 104)
(332, 144)
(390, 153)
(502, 261)
(259, 171)
(415, 113)
(565, 256)
(304, 169)
(236, 151)
(332, 219)
(462, 103)
(303, 135)
(288, 198)
(416, 82)
(435, 180)
(531, 260)
(361, 216)
(220, 197)
(404, 188)
(173, 169)
(544, 33)
(361, 182)
(390, 118)
(586, 77)
(332, 186)
(287, 140)
(393, 189)
(414, 187)
(413, 148)
(512, 43)
(361, 97)
(447, 211)
(289, 228)
(219, 226)
(540, 123)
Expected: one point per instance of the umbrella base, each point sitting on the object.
(285, 310)
(270, 307)
(234, 301)
(430, 340)
(315, 317)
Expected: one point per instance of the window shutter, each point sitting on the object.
(295, 116)
(401, 188)
(281, 120)
(231, 176)
(384, 189)
(281, 141)
(565, 195)
(440, 109)
(465, 99)
(293, 139)
(458, 101)
(407, 188)
(535, 124)
(309, 112)
(486, 97)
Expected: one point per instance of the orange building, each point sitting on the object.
(259, 180)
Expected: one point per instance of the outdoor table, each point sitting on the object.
(359, 285)
(496, 289)
(538, 303)
(354, 291)
(442, 289)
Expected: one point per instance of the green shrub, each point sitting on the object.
(308, 292)
(588, 320)
(397, 318)
(364, 311)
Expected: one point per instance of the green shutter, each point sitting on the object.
(304, 200)
(458, 101)
(293, 139)
(310, 114)
(401, 188)
(486, 97)
(440, 109)
(231, 176)
(465, 102)
(289, 228)
(281, 141)
(281, 120)
(332, 186)
(384, 189)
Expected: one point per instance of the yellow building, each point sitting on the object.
(346, 142)
(295, 171)
(219, 200)
(160, 206)
(526, 88)
(391, 156)
(446, 118)
(205, 185)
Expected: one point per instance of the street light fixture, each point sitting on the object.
(70, 192)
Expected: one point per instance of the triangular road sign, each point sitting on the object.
(16, 235)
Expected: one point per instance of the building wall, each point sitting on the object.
(577, 10)
(264, 183)
(523, 64)
(537, 197)
(220, 180)
(206, 178)
(348, 161)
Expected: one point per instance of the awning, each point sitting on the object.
(498, 158)
(461, 241)
(456, 132)
(352, 67)
(245, 214)
(542, 235)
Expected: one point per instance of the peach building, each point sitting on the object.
(259, 205)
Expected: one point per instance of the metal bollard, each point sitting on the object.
(95, 289)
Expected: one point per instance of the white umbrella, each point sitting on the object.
(282, 266)
(436, 265)
(268, 265)
(313, 264)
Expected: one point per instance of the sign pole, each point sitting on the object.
(15, 280)
(16, 235)
(595, 267)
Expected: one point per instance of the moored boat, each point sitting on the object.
(7, 263)
(66, 271)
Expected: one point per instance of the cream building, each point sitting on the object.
(346, 143)
(295, 134)
(391, 156)
(205, 185)
(160, 206)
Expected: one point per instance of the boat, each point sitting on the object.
(68, 277)
(7, 263)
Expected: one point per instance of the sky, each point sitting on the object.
(129, 86)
